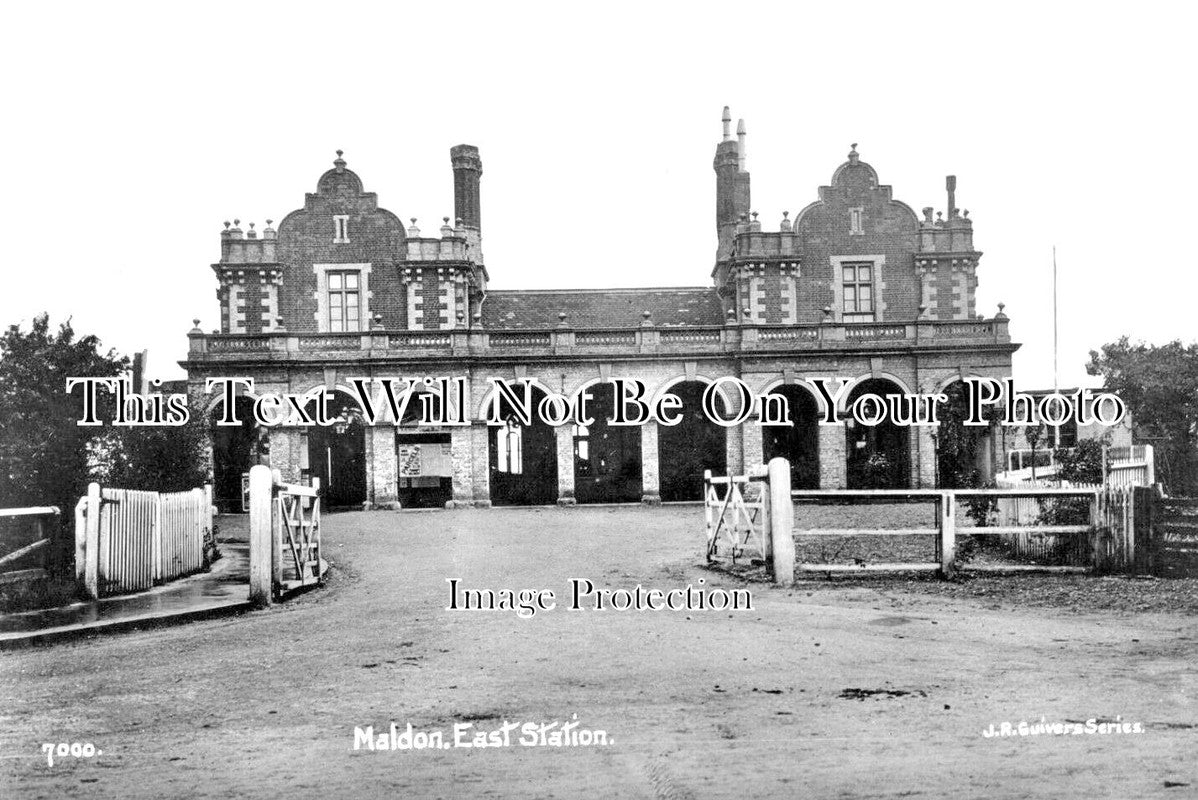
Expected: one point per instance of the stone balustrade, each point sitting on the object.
(564, 341)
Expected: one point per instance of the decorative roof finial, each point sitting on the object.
(727, 123)
(339, 163)
(853, 153)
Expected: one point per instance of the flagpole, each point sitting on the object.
(1055, 380)
(1055, 385)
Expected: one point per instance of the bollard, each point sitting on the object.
(782, 522)
(261, 536)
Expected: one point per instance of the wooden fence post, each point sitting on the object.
(209, 525)
(156, 541)
(91, 543)
(947, 523)
(707, 517)
(782, 522)
(261, 536)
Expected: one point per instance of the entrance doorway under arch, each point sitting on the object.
(607, 458)
(235, 448)
(685, 450)
(879, 456)
(522, 458)
(337, 453)
(798, 442)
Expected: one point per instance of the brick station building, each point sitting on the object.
(856, 285)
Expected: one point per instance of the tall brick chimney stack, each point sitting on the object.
(731, 183)
(467, 174)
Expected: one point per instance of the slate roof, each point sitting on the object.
(681, 307)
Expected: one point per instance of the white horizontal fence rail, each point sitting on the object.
(128, 540)
(1108, 533)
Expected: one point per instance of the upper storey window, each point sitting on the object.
(344, 307)
(858, 286)
(341, 229)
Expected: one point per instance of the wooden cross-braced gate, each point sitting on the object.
(734, 521)
(297, 554)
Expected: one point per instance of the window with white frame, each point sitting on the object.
(344, 301)
(510, 448)
(341, 229)
(857, 291)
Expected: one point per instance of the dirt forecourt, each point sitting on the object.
(829, 690)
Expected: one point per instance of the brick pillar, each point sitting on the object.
(650, 477)
(565, 464)
(284, 455)
(924, 477)
(734, 452)
(384, 466)
(461, 449)
(833, 457)
(754, 444)
(481, 472)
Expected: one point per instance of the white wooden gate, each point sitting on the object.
(285, 552)
(297, 535)
(735, 509)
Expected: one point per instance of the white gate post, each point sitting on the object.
(782, 522)
(91, 543)
(947, 522)
(80, 538)
(261, 535)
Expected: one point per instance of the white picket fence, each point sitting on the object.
(1129, 466)
(128, 540)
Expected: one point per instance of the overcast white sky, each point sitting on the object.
(133, 131)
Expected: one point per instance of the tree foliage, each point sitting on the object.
(157, 458)
(957, 444)
(43, 452)
(1159, 384)
(46, 458)
(1081, 464)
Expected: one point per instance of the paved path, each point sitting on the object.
(221, 591)
(834, 692)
